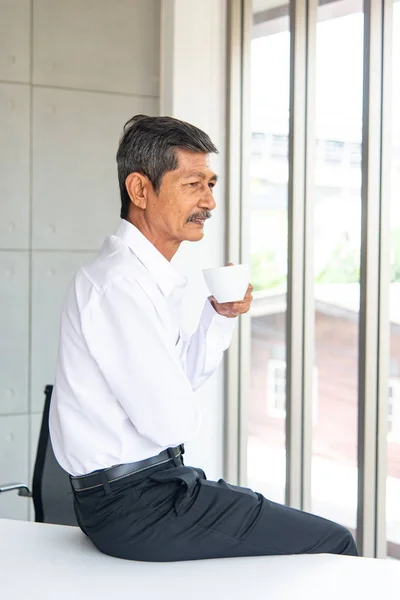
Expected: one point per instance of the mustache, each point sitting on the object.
(206, 214)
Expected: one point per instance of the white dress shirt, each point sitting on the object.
(127, 374)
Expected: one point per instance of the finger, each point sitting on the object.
(248, 298)
(234, 305)
(238, 303)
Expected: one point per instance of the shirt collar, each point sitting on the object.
(165, 274)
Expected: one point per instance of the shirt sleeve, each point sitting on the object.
(201, 353)
(140, 364)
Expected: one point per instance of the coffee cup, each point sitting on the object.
(228, 284)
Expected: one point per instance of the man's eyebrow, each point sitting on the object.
(202, 175)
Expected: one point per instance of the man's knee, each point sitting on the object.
(345, 542)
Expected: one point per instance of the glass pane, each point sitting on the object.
(270, 72)
(393, 478)
(337, 238)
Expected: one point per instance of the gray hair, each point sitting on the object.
(148, 146)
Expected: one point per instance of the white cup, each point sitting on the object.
(228, 284)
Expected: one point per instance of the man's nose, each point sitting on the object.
(208, 200)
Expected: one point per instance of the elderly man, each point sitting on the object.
(125, 393)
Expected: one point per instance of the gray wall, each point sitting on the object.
(71, 74)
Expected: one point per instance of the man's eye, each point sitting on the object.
(193, 183)
(211, 186)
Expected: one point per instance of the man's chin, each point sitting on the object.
(194, 236)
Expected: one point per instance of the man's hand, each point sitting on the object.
(234, 309)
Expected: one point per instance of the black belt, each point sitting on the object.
(107, 476)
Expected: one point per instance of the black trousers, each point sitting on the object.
(173, 513)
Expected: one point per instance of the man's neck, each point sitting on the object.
(167, 248)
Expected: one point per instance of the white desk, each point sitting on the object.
(52, 562)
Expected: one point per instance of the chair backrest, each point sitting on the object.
(51, 489)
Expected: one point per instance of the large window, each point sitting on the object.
(337, 235)
(270, 71)
(315, 432)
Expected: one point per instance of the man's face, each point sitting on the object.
(185, 199)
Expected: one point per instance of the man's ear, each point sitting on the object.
(137, 187)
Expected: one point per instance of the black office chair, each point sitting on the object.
(51, 491)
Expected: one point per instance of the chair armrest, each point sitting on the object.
(23, 489)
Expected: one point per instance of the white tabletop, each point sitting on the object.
(52, 562)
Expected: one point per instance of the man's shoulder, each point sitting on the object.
(114, 260)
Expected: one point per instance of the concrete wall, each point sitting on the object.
(71, 74)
